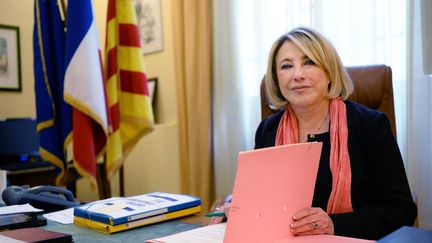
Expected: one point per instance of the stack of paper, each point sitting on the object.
(118, 214)
(208, 234)
(215, 234)
(20, 216)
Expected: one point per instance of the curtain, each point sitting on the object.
(419, 115)
(426, 19)
(364, 32)
(234, 126)
(192, 53)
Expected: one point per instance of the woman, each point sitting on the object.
(361, 188)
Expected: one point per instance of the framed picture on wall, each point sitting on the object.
(149, 16)
(152, 83)
(10, 67)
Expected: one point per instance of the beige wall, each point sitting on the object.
(153, 165)
(20, 13)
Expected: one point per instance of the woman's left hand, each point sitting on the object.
(223, 208)
(312, 221)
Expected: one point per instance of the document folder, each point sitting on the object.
(271, 184)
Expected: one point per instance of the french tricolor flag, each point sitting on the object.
(84, 88)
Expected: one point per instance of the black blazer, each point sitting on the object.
(380, 194)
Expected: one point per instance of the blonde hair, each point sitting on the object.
(316, 47)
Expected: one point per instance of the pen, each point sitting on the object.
(215, 214)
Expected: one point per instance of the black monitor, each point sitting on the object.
(19, 140)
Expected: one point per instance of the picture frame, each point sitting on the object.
(149, 18)
(10, 59)
(152, 86)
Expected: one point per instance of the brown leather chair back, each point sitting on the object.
(372, 88)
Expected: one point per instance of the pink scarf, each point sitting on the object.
(287, 133)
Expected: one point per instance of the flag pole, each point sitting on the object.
(103, 184)
(121, 178)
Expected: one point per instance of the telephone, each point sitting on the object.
(48, 198)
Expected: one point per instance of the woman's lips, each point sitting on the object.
(300, 88)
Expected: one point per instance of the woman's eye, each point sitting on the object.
(309, 62)
(285, 66)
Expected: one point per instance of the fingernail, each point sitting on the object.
(294, 217)
(292, 226)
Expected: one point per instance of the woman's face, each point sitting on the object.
(302, 83)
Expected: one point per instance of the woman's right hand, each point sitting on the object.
(223, 208)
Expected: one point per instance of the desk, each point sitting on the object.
(140, 234)
(43, 173)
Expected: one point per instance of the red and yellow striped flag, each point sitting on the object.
(128, 97)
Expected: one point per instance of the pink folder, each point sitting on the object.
(322, 239)
(271, 184)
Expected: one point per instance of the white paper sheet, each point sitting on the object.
(5, 239)
(209, 234)
(64, 216)
(18, 209)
